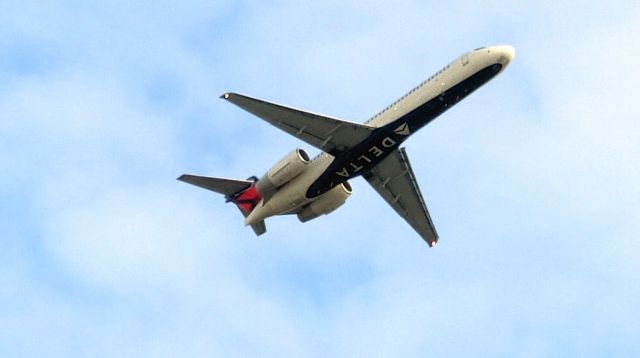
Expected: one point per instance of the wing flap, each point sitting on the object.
(327, 134)
(394, 180)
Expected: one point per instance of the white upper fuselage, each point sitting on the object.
(455, 72)
(293, 195)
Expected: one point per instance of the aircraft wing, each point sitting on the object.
(393, 178)
(327, 134)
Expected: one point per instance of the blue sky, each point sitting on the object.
(532, 182)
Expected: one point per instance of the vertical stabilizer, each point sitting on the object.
(247, 199)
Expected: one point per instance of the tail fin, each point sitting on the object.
(243, 193)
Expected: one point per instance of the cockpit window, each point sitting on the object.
(479, 48)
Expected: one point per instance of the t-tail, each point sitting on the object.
(243, 193)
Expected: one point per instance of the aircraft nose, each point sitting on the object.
(506, 54)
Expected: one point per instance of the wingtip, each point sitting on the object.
(226, 95)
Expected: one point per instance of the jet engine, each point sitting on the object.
(286, 169)
(326, 202)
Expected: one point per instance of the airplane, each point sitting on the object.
(310, 188)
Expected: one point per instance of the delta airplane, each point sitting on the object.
(310, 188)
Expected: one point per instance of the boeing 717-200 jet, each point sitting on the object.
(310, 188)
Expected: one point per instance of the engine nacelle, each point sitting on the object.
(286, 169)
(326, 202)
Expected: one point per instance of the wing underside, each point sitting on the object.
(394, 180)
(327, 134)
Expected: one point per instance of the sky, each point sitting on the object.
(532, 182)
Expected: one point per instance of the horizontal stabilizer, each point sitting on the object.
(222, 186)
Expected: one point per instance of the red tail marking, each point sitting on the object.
(248, 199)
